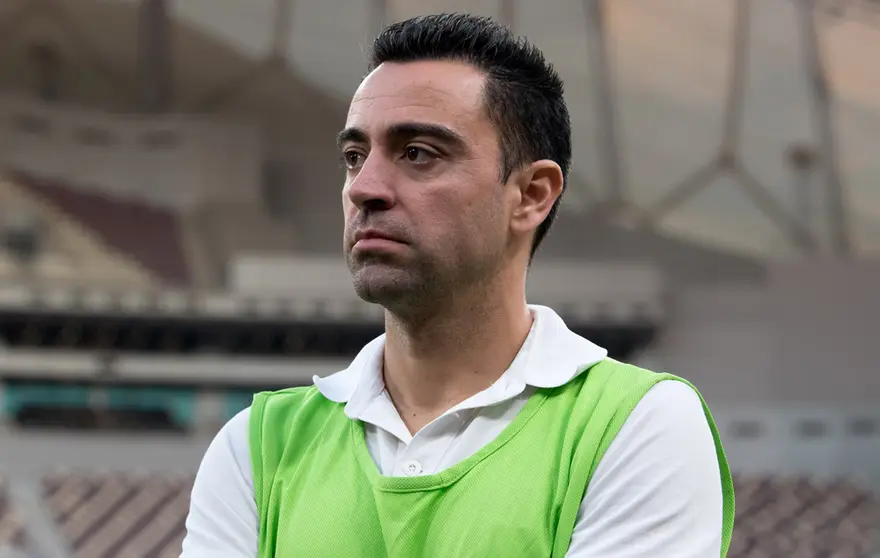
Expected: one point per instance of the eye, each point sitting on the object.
(352, 159)
(418, 155)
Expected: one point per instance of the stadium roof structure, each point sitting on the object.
(748, 125)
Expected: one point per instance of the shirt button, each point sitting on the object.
(412, 468)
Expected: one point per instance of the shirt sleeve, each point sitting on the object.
(223, 520)
(657, 490)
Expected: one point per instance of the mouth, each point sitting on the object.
(372, 240)
(370, 234)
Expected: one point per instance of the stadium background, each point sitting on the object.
(170, 234)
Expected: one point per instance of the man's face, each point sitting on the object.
(424, 211)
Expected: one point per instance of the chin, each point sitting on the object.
(385, 285)
(377, 290)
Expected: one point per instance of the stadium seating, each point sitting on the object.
(12, 526)
(800, 518)
(55, 246)
(115, 515)
(122, 224)
(105, 515)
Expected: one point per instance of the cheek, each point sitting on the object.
(471, 223)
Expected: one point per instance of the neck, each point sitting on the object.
(434, 363)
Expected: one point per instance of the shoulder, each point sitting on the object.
(230, 454)
(665, 414)
(656, 422)
(661, 470)
(616, 393)
(288, 394)
(288, 397)
(670, 408)
(673, 402)
(658, 416)
(626, 377)
(624, 382)
(222, 519)
(282, 410)
(229, 451)
(668, 435)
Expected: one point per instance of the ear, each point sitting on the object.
(540, 185)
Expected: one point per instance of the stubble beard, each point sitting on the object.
(399, 288)
(415, 291)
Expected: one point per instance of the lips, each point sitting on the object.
(373, 234)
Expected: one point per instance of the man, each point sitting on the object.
(477, 425)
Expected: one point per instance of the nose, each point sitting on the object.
(371, 188)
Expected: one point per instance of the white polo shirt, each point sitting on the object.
(656, 492)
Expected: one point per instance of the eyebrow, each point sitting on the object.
(403, 131)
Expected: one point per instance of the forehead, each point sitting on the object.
(436, 92)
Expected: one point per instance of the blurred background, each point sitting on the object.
(170, 235)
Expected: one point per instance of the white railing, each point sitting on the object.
(321, 288)
(611, 291)
(227, 370)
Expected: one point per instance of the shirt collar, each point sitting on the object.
(551, 356)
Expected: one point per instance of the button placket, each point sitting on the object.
(412, 468)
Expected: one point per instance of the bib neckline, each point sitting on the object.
(450, 475)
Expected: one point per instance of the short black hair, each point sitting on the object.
(523, 96)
